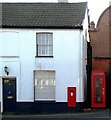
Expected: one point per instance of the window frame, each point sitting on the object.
(37, 46)
(43, 100)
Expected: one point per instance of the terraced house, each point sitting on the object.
(43, 56)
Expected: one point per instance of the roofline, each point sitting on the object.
(41, 2)
(73, 25)
(44, 27)
(102, 14)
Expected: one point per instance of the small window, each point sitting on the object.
(44, 44)
(44, 85)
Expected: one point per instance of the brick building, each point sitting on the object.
(101, 45)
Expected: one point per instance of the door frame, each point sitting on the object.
(2, 77)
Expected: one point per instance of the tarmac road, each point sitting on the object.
(95, 115)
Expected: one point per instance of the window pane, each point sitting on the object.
(44, 93)
(39, 39)
(39, 50)
(43, 82)
(44, 85)
(51, 82)
(43, 50)
(50, 38)
(50, 50)
(45, 44)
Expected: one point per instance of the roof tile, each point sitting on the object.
(43, 14)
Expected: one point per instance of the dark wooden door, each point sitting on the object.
(9, 94)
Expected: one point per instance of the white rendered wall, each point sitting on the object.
(9, 48)
(66, 62)
(84, 49)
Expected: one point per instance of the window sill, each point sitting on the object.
(44, 56)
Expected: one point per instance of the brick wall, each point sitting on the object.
(101, 49)
(100, 36)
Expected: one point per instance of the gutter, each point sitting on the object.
(43, 27)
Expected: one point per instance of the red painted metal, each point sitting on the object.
(71, 96)
(98, 89)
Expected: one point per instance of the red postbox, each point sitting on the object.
(71, 96)
(98, 88)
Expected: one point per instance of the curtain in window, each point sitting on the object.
(45, 44)
(44, 85)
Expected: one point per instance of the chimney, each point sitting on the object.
(62, 1)
(92, 26)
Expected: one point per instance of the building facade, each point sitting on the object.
(43, 51)
(101, 45)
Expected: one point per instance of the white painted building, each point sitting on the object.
(44, 49)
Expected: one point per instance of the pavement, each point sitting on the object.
(88, 115)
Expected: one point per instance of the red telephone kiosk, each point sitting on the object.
(98, 89)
